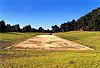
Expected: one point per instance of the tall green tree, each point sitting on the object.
(27, 28)
(8, 28)
(41, 29)
(56, 28)
(17, 28)
(2, 26)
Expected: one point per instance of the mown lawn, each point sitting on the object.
(55, 59)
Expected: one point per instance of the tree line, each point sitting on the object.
(88, 22)
(16, 28)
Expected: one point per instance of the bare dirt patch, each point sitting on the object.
(50, 42)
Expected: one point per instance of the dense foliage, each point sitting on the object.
(16, 28)
(88, 22)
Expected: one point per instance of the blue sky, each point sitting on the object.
(44, 13)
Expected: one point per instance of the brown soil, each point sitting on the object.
(50, 42)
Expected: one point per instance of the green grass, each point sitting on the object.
(55, 59)
(49, 59)
(91, 39)
(10, 38)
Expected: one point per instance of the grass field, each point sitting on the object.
(10, 38)
(91, 39)
(52, 59)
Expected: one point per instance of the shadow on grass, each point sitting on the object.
(4, 44)
(15, 33)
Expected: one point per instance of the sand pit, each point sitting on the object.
(50, 42)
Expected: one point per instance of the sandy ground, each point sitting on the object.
(50, 42)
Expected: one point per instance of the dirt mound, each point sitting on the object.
(50, 42)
